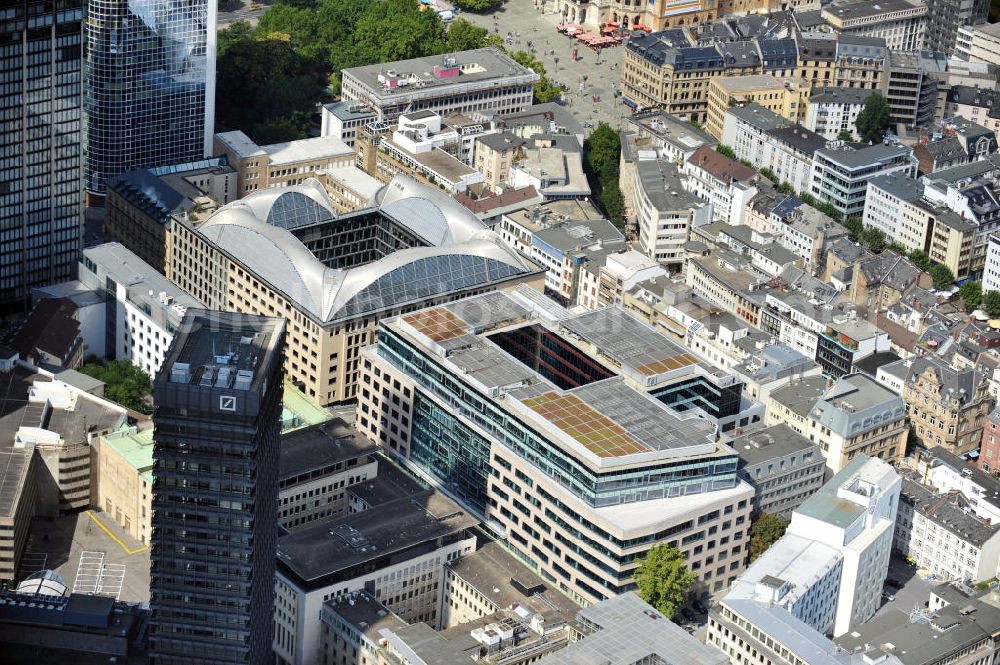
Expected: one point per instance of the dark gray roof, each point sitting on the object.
(857, 46)
(871, 364)
(658, 47)
(320, 446)
(859, 155)
(960, 384)
(834, 95)
(412, 517)
(778, 53)
(890, 269)
(799, 138)
(950, 511)
(816, 48)
(759, 117)
(152, 195)
(945, 149)
(899, 185)
(847, 251)
(698, 58)
(771, 443)
(739, 54)
(501, 141)
(922, 643)
(554, 113)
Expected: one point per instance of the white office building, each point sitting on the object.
(841, 172)
(854, 513)
(991, 269)
(823, 577)
(485, 79)
(941, 534)
(148, 307)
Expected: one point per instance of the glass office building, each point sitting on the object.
(150, 85)
(546, 424)
(215, 491)
(41, 198)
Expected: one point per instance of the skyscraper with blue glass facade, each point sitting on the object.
(150, 85)
(41, 197)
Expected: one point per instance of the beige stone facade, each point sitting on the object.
(789, 98)
(942, 413)
(124, 482)
(282, 164)
(321, 356)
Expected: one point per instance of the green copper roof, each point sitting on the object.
(299, 411)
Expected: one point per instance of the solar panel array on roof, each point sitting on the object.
(437, 324)
(628, 341)
(645, 418)
(598, 433)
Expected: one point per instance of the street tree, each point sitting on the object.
(942, 276)
(873, 120)
(971, 293)
(991, 304)
(855, 228)
(663, 579)
(919, 258)
(873, 239)
(764, 532)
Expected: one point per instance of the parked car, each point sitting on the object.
(888, 597)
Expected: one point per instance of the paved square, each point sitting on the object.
(556, 53)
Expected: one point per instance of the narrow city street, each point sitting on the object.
(591, 76)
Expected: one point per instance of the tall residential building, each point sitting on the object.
(149, 85)
(215, 492)
(40, 153)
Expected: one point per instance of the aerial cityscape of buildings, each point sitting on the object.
(589, 333)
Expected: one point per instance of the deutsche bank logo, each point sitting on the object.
(227, 403)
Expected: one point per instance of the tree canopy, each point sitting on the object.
(545, 90)
(477, 5)
(663, 579)
(829, 210)
(125, 383)
(845, 135)
(855, 227)
(991, 304)
(873, 239)
(873, 120)
(971, 293)
(919, 258)
(764, 532)
(724, 149)
(601, 157)
(942, 276)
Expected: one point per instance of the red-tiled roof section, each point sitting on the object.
(720, 166)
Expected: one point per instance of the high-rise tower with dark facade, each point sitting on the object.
(218, 410)
(41, 153)
(150, 85)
